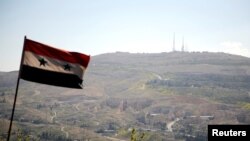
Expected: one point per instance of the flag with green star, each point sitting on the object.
(52, 66)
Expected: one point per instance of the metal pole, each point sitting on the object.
(17, 85)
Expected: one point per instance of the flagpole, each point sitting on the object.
(17, 85)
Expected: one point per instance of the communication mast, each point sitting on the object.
(174, 43)
(182, 47)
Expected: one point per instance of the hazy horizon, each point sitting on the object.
(142, 26)
(143, 53)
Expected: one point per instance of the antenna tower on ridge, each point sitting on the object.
(174, 43)
(182, 48)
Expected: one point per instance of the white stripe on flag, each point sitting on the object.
(32, 60)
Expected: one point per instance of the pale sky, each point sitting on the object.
(100, 26)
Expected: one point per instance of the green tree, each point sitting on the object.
(21, 136)
(136, 136)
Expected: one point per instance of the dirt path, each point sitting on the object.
(113, 139)
(62, 127)
(170, 124)
(76, 106)
(54, 116)
(65, 132)
(158, 76)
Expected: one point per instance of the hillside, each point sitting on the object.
(168, 96)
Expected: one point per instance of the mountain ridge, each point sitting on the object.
(164, 95)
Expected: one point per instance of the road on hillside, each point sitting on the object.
(113, 139)
(65, 132)
(170, 125)
(54, 116)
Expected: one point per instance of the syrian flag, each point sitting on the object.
(48, 65)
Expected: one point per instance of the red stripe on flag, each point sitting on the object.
(45, 50)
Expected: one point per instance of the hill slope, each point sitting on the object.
(167, 95)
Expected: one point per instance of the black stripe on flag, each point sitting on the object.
(50, 77)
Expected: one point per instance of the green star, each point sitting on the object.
(67, 67)
(42, 62)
